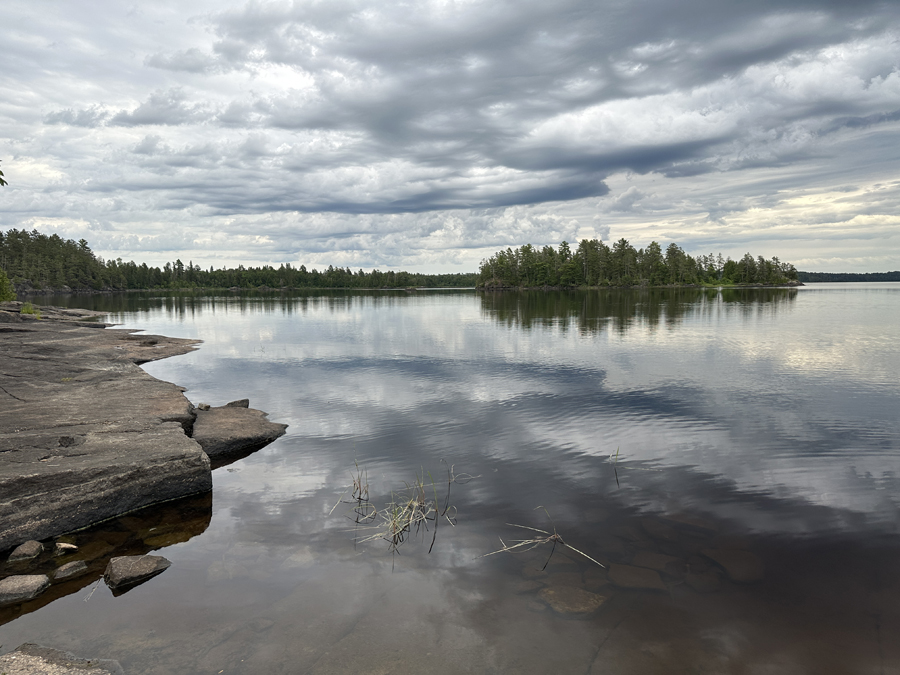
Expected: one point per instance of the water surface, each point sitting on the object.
(766, 416)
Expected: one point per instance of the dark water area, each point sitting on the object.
(740, 446)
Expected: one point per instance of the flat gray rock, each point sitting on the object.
(85, 434)
(70, 570)
(31, 659)
(127, 571)
(233, 429)
(27, 551)
(22, 588)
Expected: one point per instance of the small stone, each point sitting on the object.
(707, 582)
(22, 587)
(636, 578)
(527, 586)
(653, 561)
(741, 566)
(203, 406)
(571, 600)
(26, 551)
(131, 570)
(61, 548)
(70, 570)
(240, 403)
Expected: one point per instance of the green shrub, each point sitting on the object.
(28, 308)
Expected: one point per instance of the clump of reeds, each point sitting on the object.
(523, 545)
(414, 509)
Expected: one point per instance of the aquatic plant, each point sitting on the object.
(411, 510)
(554, 538)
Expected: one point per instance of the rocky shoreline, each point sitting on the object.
(87, 435)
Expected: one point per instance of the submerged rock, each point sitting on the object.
(22, 587)
(27, 551)
(571, 600)
(70, 570)
(635, 578)
(705, 582)
(741, 566)
(125, 572)
(654, 561)
(31, 659)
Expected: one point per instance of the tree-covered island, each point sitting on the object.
(595, 264)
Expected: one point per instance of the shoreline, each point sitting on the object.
(87, 435)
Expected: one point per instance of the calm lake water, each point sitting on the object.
(656, 429)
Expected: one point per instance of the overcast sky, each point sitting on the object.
(426, 135)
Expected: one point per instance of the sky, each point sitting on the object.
(427, 135)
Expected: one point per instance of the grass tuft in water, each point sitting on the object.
(554, 538)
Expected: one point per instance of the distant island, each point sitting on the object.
(814, 277)
(594, 264)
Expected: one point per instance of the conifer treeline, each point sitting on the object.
(51, 262)
(593, 263)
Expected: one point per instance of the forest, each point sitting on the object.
(593, 263)
(51, 262)
(813, 277)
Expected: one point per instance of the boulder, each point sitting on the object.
(22, 587)
(635, 578)
(741, 566)
(571, 600)
(27, 551)
(230, 430)
(240, 403)
(125, 572)
(70, 570)
(31, 659)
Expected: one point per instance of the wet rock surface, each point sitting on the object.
(22, 587)
(234, 428)
(86, 433)
(128, 571)
(27, 551)
(31, 659)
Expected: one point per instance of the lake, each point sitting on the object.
(740, 449)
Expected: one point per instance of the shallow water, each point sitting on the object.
(767, 417)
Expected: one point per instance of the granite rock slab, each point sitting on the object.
(86, 434)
